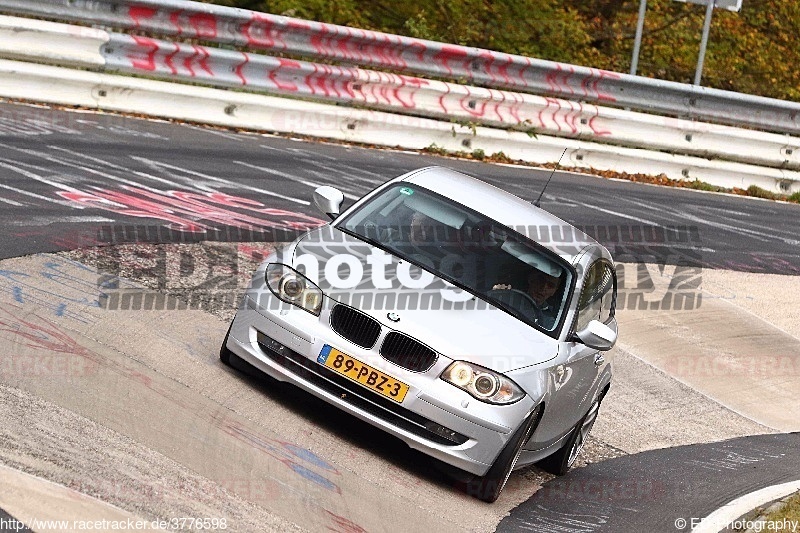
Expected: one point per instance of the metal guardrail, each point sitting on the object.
(58, 44)
(259, 31)
(239, 109)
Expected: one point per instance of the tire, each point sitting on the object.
(225, 354)
(489, 486)
(561, 461)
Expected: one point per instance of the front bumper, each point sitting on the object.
(435, 417)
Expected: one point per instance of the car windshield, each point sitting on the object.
(469, 250)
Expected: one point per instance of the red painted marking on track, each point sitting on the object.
(41, 335)
(343, 525)
(129, 205)
(257, 252)
(152, 47)
(284, 452)
(185, 210)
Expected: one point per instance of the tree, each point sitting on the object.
(753, 51)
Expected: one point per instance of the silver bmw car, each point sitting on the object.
(455, 316)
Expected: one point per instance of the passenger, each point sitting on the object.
(423, 230)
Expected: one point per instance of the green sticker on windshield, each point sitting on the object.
(406, 190)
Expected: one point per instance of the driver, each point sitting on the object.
(541, 288)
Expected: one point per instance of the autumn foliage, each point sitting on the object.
(754, 51)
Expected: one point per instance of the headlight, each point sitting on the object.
(481, 383)
(292, 287)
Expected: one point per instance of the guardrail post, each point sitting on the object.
(698, 73)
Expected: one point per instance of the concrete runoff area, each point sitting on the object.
(725, 350)
(25, 496)
(134, 407)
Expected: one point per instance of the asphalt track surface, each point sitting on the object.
(6, 520)
(661, 490)
(66, 175)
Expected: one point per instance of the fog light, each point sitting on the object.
(270, 343)
(445, 433)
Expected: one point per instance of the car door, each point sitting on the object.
(574, 382)
(596, 302)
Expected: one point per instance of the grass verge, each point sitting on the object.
(661, 179)
(789, 513)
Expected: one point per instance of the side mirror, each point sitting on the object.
(328, 200)
(599, 336)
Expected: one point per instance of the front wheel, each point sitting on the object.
(489, 486)
(562, 460)
(224, 353)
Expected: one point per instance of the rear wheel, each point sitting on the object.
(561, 461)
(489, 486)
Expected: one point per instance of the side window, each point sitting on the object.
(598, 296)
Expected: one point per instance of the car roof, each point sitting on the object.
(503, 207)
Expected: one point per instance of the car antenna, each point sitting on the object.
(538, 202)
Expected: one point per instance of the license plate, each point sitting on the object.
(362, 373)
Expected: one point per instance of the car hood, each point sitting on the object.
(456, 324)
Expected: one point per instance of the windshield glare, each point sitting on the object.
(462, 246)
